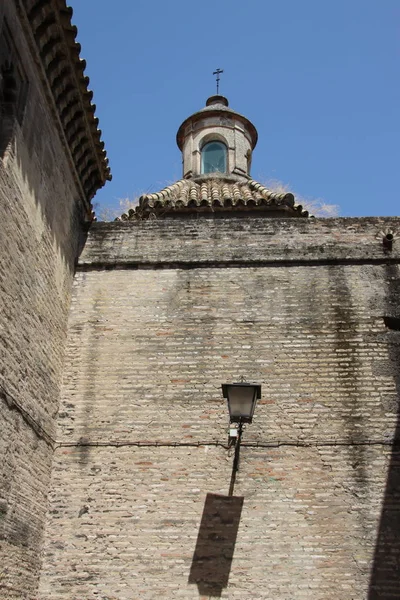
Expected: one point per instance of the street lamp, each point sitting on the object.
(242, 398)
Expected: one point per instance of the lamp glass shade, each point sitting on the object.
(242, 398)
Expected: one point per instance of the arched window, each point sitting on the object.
(213, 158)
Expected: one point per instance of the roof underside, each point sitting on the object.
(54, 36)
(218, 195)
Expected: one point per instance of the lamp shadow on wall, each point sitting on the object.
(215, 546)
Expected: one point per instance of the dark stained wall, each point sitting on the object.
(163, 312)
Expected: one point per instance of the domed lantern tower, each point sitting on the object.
(217, 145)
(217, 141)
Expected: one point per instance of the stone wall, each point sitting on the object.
(165, 311)
(39, 222)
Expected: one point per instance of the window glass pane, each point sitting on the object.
(213, 158)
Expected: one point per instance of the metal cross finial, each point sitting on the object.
(218, 73)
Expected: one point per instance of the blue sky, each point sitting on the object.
(318, 78)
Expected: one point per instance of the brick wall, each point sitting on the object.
(165, 311)
(39, 221)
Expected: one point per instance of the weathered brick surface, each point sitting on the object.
(153, 345)
(142, 414)
(238, 239)
(39, 229)
(126, 523)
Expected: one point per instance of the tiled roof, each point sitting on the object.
(53, 34)
(217, 194)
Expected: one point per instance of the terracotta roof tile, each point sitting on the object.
(215, 195)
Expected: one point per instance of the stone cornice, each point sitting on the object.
(53, 35)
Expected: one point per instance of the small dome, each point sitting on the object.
(217, 100)
(216, 104)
